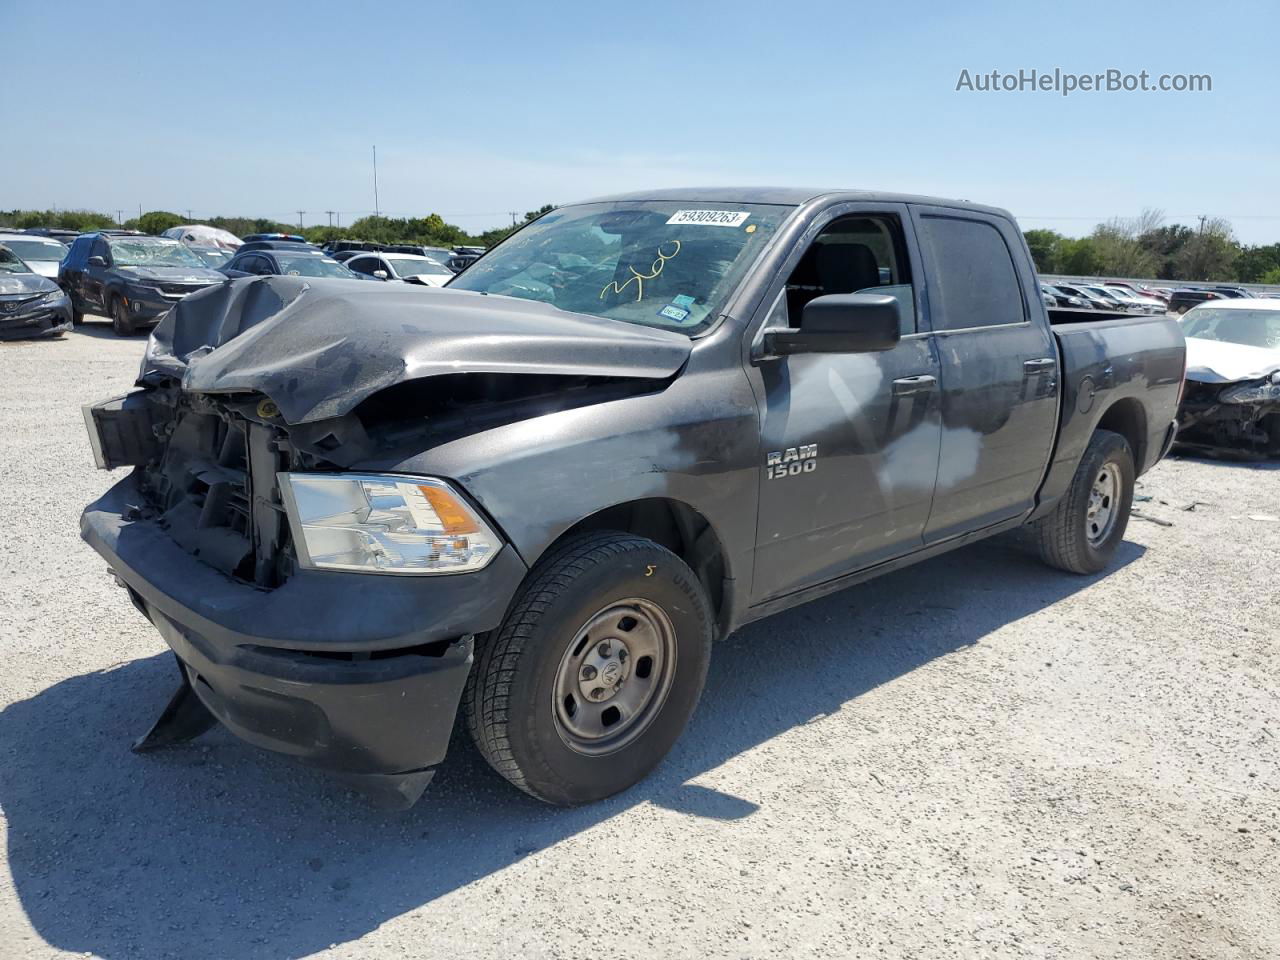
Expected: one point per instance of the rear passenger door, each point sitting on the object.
(999, 369)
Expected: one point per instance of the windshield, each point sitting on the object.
(148, 252)
(37, 249)
(660, 264)
(413, 266)
(310, 265)
(1253, 328)
(9, 262)
(212, 256)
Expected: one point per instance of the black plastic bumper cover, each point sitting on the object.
(272, 665)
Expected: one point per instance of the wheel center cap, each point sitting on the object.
(611, 673)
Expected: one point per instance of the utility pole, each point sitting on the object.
(300, 213)
(1203, 218)
(514, 214)
(188, 214)
(331, 213)
(119, 218)
(139, 211)
(375, 180)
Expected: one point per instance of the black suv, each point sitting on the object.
(133, 280)
(1184, 298)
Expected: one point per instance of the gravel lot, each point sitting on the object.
(976, 757)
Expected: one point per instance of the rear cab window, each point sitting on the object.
(973, 282)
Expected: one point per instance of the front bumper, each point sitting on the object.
(147, 305)
(358, 673)
(45, 321)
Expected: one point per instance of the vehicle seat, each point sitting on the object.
(828, 268)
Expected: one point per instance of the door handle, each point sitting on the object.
(1039, 364)
(907, 386)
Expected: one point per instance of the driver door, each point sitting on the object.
(850, 441)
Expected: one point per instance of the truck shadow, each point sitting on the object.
(216, 850)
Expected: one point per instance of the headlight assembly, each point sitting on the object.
(371, 523)
(1264, 391)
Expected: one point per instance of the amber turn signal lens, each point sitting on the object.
(454, 517)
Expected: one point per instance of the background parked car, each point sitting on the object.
(41, 254)
(1232, 394)
(278, 261)
(53, 233)
(31, 305)
(1109, 297)
(215, 257)
(1064, 300)
(278, 244)
(1184, 298)
(1133, 301)
(401, 266)
(134, 280)
(202, 235)
(275, 236)
(1094, 301)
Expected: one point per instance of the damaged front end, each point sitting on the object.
(1235, 419)
(335, 661)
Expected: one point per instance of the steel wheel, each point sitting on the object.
(1100, 517)
(614, 677)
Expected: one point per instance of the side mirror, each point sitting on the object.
(381, 274)
(840, 323)
(97, 261)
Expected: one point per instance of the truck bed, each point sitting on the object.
(1120, 372)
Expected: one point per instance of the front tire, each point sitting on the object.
(1084, 530)
(595, 672)
(121, 324)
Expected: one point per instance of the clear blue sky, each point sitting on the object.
(479, 107)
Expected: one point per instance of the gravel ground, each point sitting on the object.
(976, 757)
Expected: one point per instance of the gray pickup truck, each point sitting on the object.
(535, 496)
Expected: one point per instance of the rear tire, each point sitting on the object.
(121, 324)
(1084, 530)
(595, 672)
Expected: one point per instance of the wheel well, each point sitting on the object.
(1128, 418)
(674, 525)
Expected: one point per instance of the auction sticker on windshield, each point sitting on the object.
(709, 218)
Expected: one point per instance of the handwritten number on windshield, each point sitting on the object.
(639, 278)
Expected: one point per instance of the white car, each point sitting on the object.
(401, 266)
(1232, 395)
(1135, 301)
(41, 254)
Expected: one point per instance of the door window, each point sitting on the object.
(858, 254)
(974, 282)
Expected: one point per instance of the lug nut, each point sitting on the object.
(589, 672)
(597, 693)
(603, 649)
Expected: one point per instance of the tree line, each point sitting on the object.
(1147, 246)
(1142, 246)
(431, 230)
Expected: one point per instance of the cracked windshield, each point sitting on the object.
(667, 265)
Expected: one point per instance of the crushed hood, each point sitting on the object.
(1213, 361)
(317, 348)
